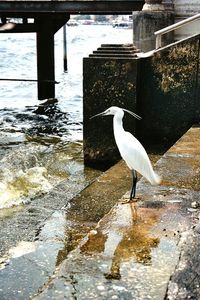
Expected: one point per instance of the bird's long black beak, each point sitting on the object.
(97, 115)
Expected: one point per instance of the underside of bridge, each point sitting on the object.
(46, 18)
(72, 7)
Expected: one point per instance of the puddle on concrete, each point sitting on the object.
(131, 254)
(127, 237)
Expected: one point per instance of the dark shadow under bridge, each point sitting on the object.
(47, 17)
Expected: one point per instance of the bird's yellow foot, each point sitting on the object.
(112, 275)
(126, 200)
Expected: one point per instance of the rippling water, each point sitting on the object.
(42, 145)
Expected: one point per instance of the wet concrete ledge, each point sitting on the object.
(143, 250)
(47, 229)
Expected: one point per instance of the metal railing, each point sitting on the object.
(167, 29)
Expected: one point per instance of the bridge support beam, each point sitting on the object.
(45, 60)
(46, 28)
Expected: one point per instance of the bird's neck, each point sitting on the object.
(117, 125)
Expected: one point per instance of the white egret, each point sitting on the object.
(131, 149)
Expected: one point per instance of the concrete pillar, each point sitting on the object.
(152, 18)
(184, 9)
(153, 5)
(45, 59)
(46, 28)
(65, 48)
(109, 79)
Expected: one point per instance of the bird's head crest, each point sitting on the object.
(114, 110)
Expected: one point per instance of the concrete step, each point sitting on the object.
(116, 51)
(143, 250)
(133, 252)
(32, 258)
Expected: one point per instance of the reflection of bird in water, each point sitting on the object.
(130, 148)
(124, 236)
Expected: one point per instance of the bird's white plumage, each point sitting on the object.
(138, 160)
(132, 150)
(129, 147)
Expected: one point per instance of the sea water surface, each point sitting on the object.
(41, 147)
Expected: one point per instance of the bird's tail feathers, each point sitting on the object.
(155, 179)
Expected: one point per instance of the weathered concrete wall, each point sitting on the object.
(168, 95)
(148, 249)
(145, 23)
(168, 5)
(182, 10)
(185, 8)
(106, 82)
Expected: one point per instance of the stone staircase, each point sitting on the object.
(116, 51)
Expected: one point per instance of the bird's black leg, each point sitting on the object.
(133, 190)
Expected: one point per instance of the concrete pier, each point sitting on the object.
(145, 23)
(162, 88)
(109, 78)
(45, 59)
(153, 17)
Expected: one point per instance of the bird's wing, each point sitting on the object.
(134, 154)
